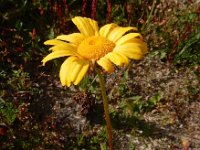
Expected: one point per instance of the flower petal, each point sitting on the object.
(82, 72)
(139, 43)
(85, 25)
(54, 42)
(95, 26)
(77, 66)
(135, 42)
(131, 50)
(128, 37)
(57, 54)
(106, 64)
(118, 32)
(117, 58)
(65, 71)
(75, 38)
(65, 46)
(106, 29)
(134, 56)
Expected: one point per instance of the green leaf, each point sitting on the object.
(154, 100)
(9, 112)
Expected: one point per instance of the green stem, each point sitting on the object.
(106, 108)
(150, 15)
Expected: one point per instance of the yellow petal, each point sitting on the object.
(135, 42)
(75, 38)
(117, 58)
(76, 67)
(66, 46)
(106, 64)
(134, 56)
(57, 54)
(133, 47)
(85, 26)
(118, 32)
(140, 43)
(65, 71)
(106, 29)
(81, 73)
(128, 37)
(131, 50)
(95, 26)
(54, 42)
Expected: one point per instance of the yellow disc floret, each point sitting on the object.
(95, 47)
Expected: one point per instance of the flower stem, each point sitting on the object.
(106, 110)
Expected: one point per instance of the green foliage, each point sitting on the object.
(188, 51)
(122, 87)
(8, 111)
(176, 35)
(88, 141)
(135, 105)
(18, 80)
(118, 14)
(130, 111)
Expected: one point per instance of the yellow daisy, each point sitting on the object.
(109, 44)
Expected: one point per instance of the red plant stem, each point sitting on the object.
(84, 7)
(33, 34)
(64, 2)
(50, 5)
(94, 2)
(56, 7)
(109, 9)
(66, 7)
(41, 8)
(59, 13)
(50, 8)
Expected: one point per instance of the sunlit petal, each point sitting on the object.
(76, 67)
(106, 29)
(66, 46)
(65, 71)
(75, 38)
(130, 50)
(106, 64)
(82, 72)
(118, 32)
(117, 58)
(78, 70)
(139, 43)
(57, 54)
(128, 37)
(95, 26)
(85, 26)
(128, 47)
(54, 42)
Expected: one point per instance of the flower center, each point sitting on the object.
(95, 47)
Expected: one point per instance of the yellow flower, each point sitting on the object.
(109, 44)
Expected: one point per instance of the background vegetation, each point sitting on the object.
(148, 99)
